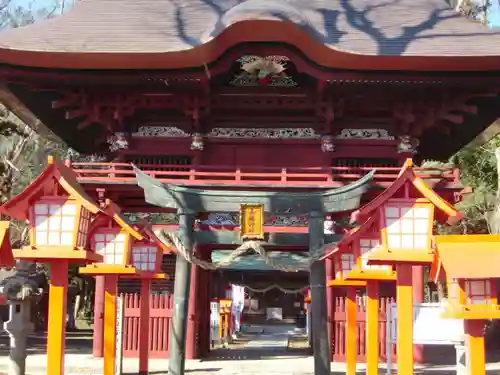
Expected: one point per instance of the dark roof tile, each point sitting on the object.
(374, 27)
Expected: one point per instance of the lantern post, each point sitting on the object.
(405, 211)
(58, 213)
(344, 262)
(351, 256)
(130, 253)
(469, 265)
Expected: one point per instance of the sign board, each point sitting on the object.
(252, 221)
(119, 335)
(214, 321)
(428, 326)
(274, 313)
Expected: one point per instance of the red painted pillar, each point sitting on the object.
(144, 327)
(97, 348)
(330, 302)
(193, 314)
(418, 297)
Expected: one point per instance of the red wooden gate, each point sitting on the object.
(338, 330)
(160, 310)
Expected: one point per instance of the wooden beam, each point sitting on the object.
(470, 109)
(72, 114)
(453, 118)
(65, 102)
(85, 123)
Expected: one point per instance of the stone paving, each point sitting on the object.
(268, 353)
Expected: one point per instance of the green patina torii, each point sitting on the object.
(190, 201)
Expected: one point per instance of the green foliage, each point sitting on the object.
(478, 170)
(478, 167)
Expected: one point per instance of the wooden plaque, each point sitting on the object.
(252, 221)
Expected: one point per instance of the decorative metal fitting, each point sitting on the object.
(327, 143)
(117, 141)
(407, 144)
(197, 142)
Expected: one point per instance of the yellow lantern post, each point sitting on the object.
(344, 262)
(127, 253)
(59, 214)
(405, 211)
(361, 242)
(469, 265)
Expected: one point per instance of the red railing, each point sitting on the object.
(219, 175)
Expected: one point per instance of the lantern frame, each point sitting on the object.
(340, 258)
(113, 222)
(461, 260)
(408, 190)
(351, 243)
(79, 238)
(56, 185)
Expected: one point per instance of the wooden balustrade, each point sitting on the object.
(89, 172)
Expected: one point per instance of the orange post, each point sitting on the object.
(404, 298)
(110, 292)
(226, 325)
(144, 327)
(372, 327)
(476, 363)
(56, 337)
(221, 326)
(351, 345)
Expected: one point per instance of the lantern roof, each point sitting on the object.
(112, 211)
(6, 256)
(467, 256)
(55, 173)
(146, 229)
(408, 176)
(166, 34)
(353, 234)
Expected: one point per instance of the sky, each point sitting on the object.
(39, 4)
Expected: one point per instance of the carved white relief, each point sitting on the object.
(364, 134)
(272, 133)
(220, 219)
(160, 131)
(94, 158)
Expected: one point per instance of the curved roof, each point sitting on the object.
(353, 234)
(407, 174)
(112, 210)
(471, 256)
(18, 206)
(169, 34)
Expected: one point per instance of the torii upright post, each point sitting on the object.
(177, 352)
(321, 343)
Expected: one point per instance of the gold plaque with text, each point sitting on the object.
(252, 221)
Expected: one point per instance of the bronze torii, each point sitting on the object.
(190, 201)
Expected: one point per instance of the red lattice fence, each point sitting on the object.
(159, 324)
(338, 329)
